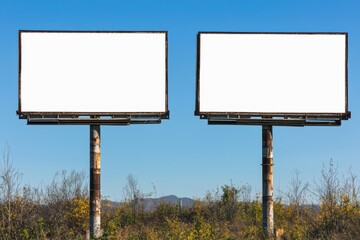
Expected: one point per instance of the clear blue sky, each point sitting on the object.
(183, 155)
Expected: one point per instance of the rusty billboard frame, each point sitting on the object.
(92, 118)
(272, 118)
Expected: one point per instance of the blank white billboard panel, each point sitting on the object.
(272, 73)
(93, 72)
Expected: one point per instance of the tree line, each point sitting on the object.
(327, 209)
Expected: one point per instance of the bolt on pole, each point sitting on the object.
(95, 197)
(267, 182)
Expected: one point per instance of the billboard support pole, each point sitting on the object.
(267, 181)
(95, 197)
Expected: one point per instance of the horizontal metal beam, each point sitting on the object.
(27, 115)
(275, 122)
(91, 121)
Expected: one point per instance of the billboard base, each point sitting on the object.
(276, 120)
(91, 120)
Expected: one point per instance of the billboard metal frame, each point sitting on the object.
(272, 118)
(92, 118)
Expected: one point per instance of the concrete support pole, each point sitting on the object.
(95, 197)
(267, 182)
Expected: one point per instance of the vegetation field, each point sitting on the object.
(328, 208)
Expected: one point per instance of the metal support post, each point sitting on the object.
(95, 197)
(267, 182)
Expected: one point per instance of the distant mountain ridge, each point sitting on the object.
(150, 204)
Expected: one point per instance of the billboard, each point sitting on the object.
(272, 75)
(92, 73)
